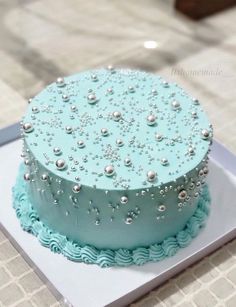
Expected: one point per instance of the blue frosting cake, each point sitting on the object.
(115, 162)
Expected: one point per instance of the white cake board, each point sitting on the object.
(89, 285)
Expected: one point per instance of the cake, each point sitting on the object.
(115, 166)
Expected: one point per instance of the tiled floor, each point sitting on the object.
(41, 40)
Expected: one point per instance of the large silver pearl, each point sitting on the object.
(60, 164)
(92, 98)
(151, 176)
(76, 188)
(182, 194)
(56, 151)
(191, 151)
(127, 161)
(44, 177)
(28, 127)
(116, 115)
(159, 137)
(27, 177)
(124, 200)
(60, 82)
(109, 170)
(104, 131)
(128, 220)
(65, 98)
(164, 161)
(151, 120)
(35, 110)
(80, 144)
(175, 105)
(69, 129)
(205, 134)
(119, 142)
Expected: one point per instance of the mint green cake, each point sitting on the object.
(115, 162)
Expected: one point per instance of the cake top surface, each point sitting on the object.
(117, 129)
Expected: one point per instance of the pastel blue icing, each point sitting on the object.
(95, 217)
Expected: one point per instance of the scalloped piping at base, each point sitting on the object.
(30, 222)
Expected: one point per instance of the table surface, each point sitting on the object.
(41, 40)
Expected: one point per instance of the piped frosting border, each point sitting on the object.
(57, 243)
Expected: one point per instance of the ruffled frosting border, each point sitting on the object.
(57, 243)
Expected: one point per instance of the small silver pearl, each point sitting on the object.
(161, 208)
(205, 170)
(128, 220)
(194, 114)
(110, 68)
(191, 151)
(30, 100)
(165, 83)
(27, 162)
(44, 177)
(28, 127)
(205, 134)
(110, 90)
(119, 142)
(76, 188)
(73, 108)
(65, 98)
(151, 120)
(124, 200)
(201, 173)
(56, 151)
(60, 82)
(127, 161)
(182, 194)
(92, 98)
(97, 222)
(159, 137)
(151, 176)
(94, 78)
(27, 177)
(68, 129)
(154, 92)
(109, 170)
(195, 101)
(116, 115)
(104, 131)
(80, 143)
(164, 161)
(175, 105)
(131, 89)
(35, 110)
(60, 164)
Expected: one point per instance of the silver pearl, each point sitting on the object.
(65, 98)
(27, 177)
(127, 161)
(164, 161)
(195, 101)
(119, 142)
(159, 137)
(151, 176)
(194, 114)
(205, 134)
(27, 162)
(165, 83)
(30, 100)
(161, 208)
(35, 110)
(28, 127)
(60, 82)
(76, 188)
(109, 170)
(110, 68)
(110, 91)
(69, 129)
(94, 78)
(116, 115)
(97, 222)
(151, 120)
(175, 105)
(128, 220)
(182, 194)
(92, 98)
(104, 131)
(56, 151)
(205, 170)
(154, 92)
(201, 173)
(60, 164)
(44, 177)
(124, 200)
(191, 151)
(80, 144)
(73, 108)
(131, 89)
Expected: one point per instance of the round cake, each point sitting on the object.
(115, 162)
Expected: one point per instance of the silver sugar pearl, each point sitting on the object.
(159, 137)
(110, 90)
(127, 161)
(104, 131)
(175, 105)
(28, 127)
(191, 151)
(165, 83)
(154, 91)
(27, 177)
(73, 108)
(94, 77)
(65, 98)
(80, 144)
(110, 68)
(124, 200)
(27, 162)
(182, 194)
(194, 114)
(161, 208)
(201, 173)
(205, 170)
(68, 129)
(35, 110)
(131, 89)
(60, 82)
(128, 220)
(151, 176)
(119, 142)
(116, 115)
(151, 119)
(30, 100)
(92, 98)
(60, 164)
(44, 177)
(56, 151)
(205, 134)
(76, 188)
(195, 101)
(109, 170)
(164, 161)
